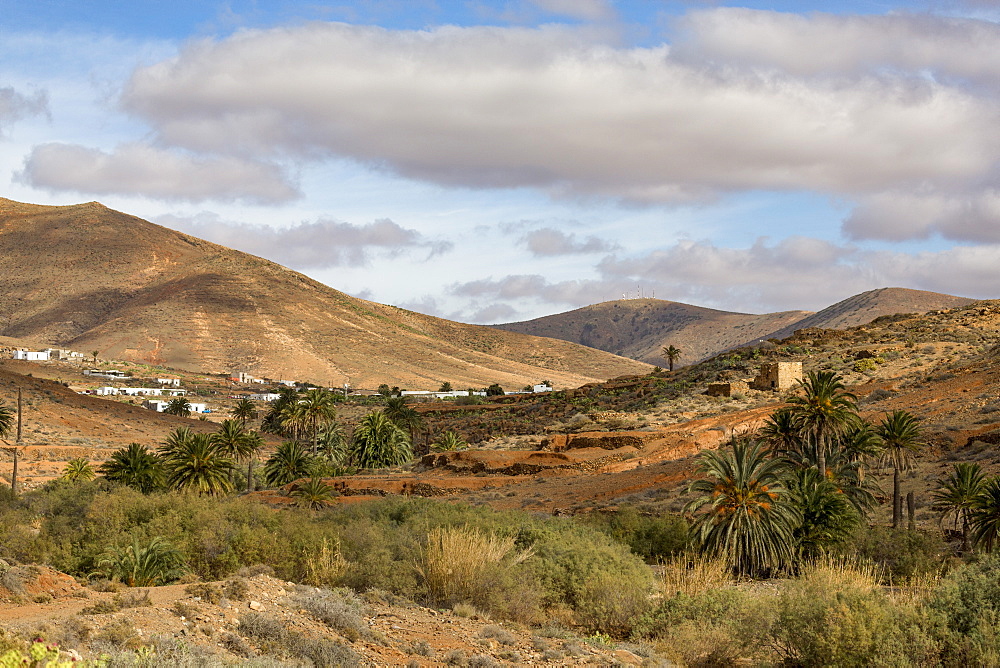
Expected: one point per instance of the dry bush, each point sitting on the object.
(339, 609)
(460, 564)
(692, 575)
(323, 566)
(205, 591)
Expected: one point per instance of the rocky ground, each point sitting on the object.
(259, 619)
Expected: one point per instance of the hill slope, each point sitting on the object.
(89, 278)
(639, 328)
(865, 307)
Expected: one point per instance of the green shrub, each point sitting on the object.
(968, 604)
(904, 555)
(652, 537)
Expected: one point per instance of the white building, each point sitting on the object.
(106, 391)
(541, 388)
(31, 355)
(266, 396)
(171, 382)
(159, 405)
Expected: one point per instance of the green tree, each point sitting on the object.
(958, 495)
(985, 516)
(194, 463)
(751, 516)
(671, 354)
(449, 441)
(289, 463)
(380, 443)
(828, 516)
(78, 469)
(901, 437)
(404, 416)
(140, 564)
(273, 421)
(313, 411)
(445, 387)
(238, 444)
(495, 390)
(312, 493)
(179, 406)
(7, 420)
(134, 466)
(333, 444)
(823, 412)
(245, 411)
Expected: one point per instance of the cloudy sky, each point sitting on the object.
(497, 161)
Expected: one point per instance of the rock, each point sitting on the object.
(627, 657)
(255, 605)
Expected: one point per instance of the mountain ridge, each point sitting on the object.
(137, 291)
(640, 328)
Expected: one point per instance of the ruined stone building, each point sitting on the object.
(777, 376)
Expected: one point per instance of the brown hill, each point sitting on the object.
(865, 307)
(639, 328)
(89, 278)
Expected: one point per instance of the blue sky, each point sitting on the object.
(497, 161)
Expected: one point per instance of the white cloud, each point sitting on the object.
(549, 241)
(15, 106)
(320, 244)
(835, 45)
(137, 169)
(587, 10)
(901, 215)
(551, 108)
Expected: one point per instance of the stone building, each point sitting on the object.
(777, 376)
(727, 389)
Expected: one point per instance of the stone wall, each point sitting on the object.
(777, 376)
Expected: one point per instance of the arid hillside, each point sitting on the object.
(91, 279)
(640, 328)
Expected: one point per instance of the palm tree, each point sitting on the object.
(823, 412)
(313, 494)
(289, 463)
(196, 464)
(78, 469)
(272, 423)
(752, 517)
(244, 411)
(233, 441)
(958, 494)
(134, 466)
(828, 516)
(782, 433)
(985, 516)
(179, 406)
(448, 441)
(379, 443)
(404, 415)
(7, 419)
(143, 565)
(333, 443)
(316, 409)
(671, 354)
(900, 434)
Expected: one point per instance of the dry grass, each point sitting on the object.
(458, 561)
(693, 575)
(836, 573)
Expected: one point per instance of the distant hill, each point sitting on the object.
(865, 307)
(88, 278)
(640, 328)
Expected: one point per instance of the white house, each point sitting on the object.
(140, 391)
(541, 388)
(106, 391)
(31, 355)
(159, 405)
(111, 373)
(171, 382)
(266, 396)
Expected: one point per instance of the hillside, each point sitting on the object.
(867, 306)
(640, 328)
(89, 278)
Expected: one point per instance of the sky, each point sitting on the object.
(490, 162)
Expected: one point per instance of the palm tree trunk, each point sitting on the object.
(897, 500)
(13, 475)
(821, 456)
(250, 474)
(965, 534)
